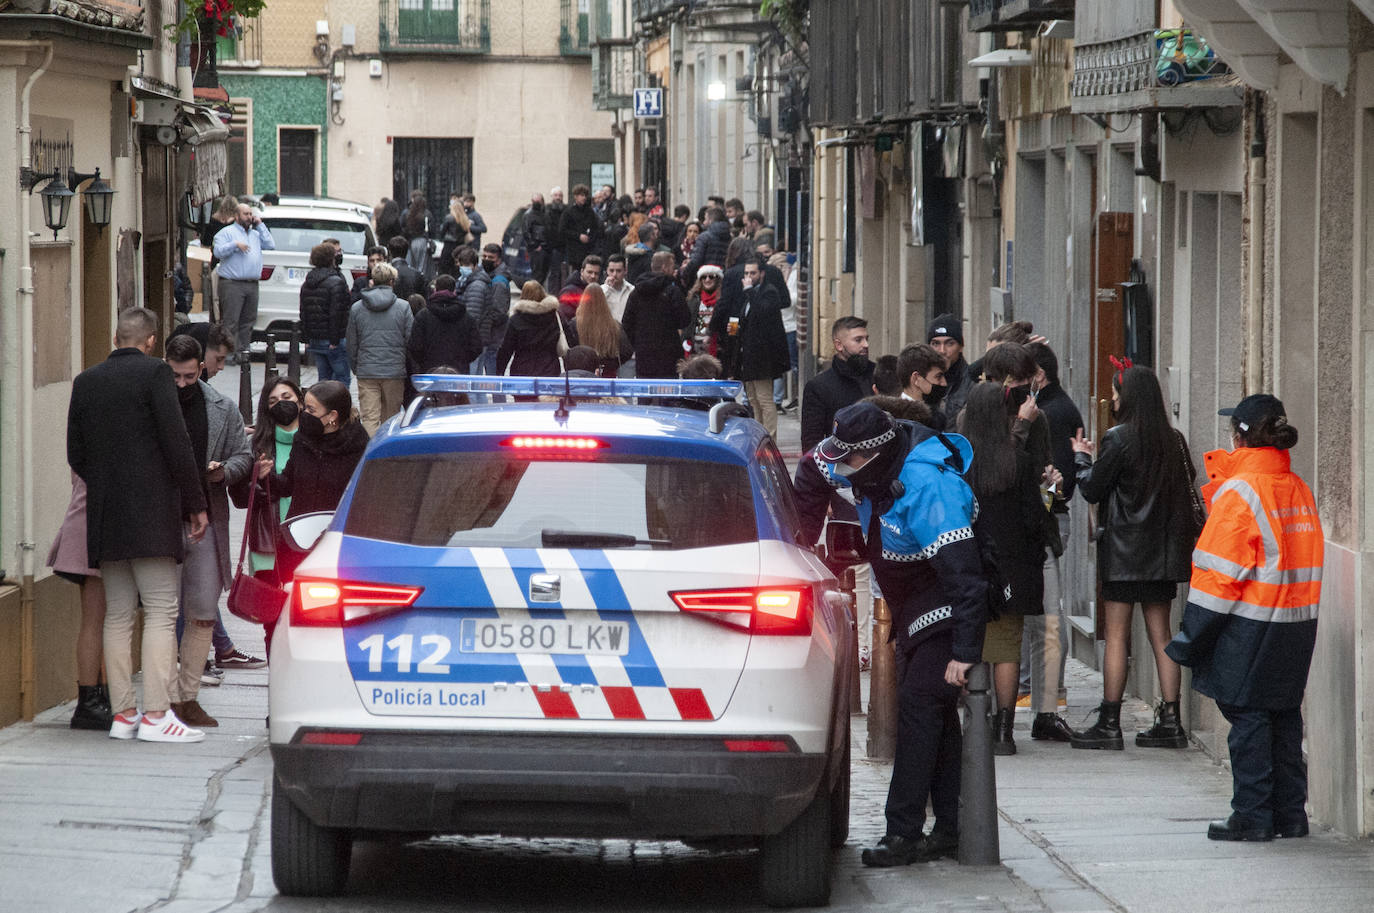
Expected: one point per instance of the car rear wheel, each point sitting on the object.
(794, 867)
(307, 860)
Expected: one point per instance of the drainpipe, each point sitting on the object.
(1254, 296)
(24, 384)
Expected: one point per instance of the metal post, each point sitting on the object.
(978, 841)
(270, 359)
(882, 687)
(293, 356)
(246, 391)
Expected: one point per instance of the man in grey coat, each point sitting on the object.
(221, 448)
(378, 326)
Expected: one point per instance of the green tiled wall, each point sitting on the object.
(280, 100)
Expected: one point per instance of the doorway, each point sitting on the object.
(437, 166)
(296, 161)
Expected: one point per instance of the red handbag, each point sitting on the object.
(250, 598)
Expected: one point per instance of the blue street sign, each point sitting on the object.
(648, 102)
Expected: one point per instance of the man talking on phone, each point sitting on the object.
(239, 248)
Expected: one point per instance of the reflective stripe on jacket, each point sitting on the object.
(1250, 625)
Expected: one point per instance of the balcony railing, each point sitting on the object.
(1161, 69)
(613, 73)
(435, 26)
(647, 9)
(573, 35)
(1014, 15)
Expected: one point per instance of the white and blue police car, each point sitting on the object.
(597, 620)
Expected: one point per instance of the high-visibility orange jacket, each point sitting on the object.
(1251, 622)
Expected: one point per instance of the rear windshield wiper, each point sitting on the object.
(574, 539)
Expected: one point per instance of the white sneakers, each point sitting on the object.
(167, 729)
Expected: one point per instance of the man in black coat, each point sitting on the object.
(325, 303)
(534, 228)
(753, 341)
(409, 280)
(712, 245)
(656, 319)
(128, 442)
(848, 380)
(579, 227)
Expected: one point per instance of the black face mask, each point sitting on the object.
(489, 266)
(1015, 396)
(284, 411)
(858, 364)
(338, 259)
(310, 426)
(537, 206)
(187, 394)
(936, 394)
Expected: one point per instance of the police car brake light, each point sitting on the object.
(758, 610)
(552, 442)
(331, 603)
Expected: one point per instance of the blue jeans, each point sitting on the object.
(485, 364)
(331, 362)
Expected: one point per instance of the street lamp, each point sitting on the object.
(57, 199)
(99, 197)
(715, 91)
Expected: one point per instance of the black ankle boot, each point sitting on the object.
(1050, 727)
(92, 709)
(1001, 732)
(1106, 732)
(1167, 732)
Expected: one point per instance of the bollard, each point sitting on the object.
(978, 842)
(882, 687)
(246, 391)
(856, 699)
(269, 360)
(293, 356)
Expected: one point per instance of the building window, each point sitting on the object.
(427, 26)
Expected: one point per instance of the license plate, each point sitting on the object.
(296, 274)
(557, 636)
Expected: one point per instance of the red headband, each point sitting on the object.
(1121, 364)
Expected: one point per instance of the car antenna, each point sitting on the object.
(560, 414)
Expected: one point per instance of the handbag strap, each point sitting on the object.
(248, 517)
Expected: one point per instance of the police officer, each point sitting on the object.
(917, 514)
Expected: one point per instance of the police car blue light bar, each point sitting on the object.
(577, 386)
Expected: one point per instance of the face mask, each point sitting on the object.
(489, 265)
(857, 363)
(284, 411)
(310, 425)
(845, 470)
(1015, 397)
(464, 271)
(936, 394)
(187, 393)
(338, 259)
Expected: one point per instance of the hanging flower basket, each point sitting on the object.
(203, 18)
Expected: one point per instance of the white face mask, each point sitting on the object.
(844, 469)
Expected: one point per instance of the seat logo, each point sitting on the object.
(545, 588)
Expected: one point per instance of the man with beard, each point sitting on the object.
(848, 380)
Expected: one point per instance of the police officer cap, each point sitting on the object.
(1253, 410)
(947, 325)
(860, 427)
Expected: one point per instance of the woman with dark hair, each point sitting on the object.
(274, 433)
(596, 328)
(1142, 482)
(328, 445)
(389, 220)
(1250, 626)
(1006, 481)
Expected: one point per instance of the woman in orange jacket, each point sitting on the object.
(1251, 622)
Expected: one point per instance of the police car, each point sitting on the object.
(573, 620)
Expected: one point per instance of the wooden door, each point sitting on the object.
(296, 162)
(1113, 243)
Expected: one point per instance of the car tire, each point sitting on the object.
(839, 796)
(794, 866)
(307, 860)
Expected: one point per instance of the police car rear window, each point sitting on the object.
(496, 500)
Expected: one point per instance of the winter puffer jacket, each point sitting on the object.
(530, 345)
(475, 290)
(711, 247)
(443, 334)
(325, 302)
(378, 325)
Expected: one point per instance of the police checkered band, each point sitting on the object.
(928, 619)
(874, 443)
(949, 538)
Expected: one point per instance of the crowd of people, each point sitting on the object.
(960, 476)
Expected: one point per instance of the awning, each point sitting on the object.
(198, 126)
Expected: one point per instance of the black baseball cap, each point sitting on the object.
(1253, 410)
(860, 427)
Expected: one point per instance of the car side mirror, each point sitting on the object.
(844, 544)
(301, 533)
